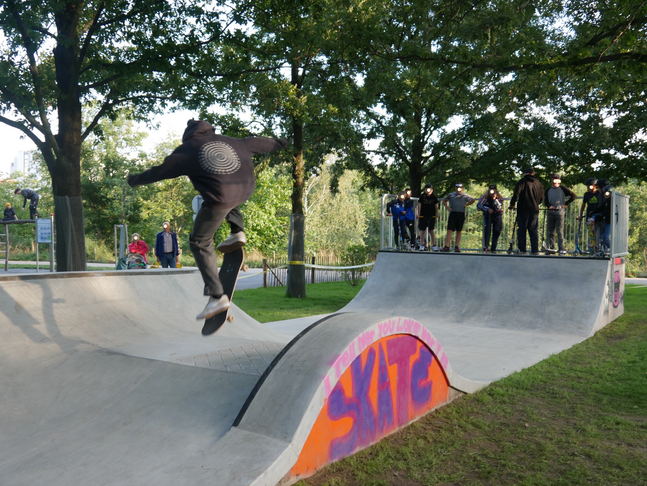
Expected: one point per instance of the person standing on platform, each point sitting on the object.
(556, 198)
(427, 215)
(455, 203)
(529, 193)
(33, 201)
(410, 218)
(491, 204)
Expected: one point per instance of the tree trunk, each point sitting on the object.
(296, 285)
(66, 170)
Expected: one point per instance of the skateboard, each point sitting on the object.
(231, 266)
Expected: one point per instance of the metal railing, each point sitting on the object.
(619, 224)
(472, 234)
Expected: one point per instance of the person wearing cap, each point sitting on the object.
(491, 205)
(529, 194)
(427, 215)
(33, 201)
(590, 202)
(221, 170)
(167, 250)
(9, 213)
(595, 220)
(591, 199)
(139, 246)
(455, 203)
(605, 212)
(556, 198)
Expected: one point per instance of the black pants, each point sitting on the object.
(493, 224)
(528, 222)
(207, 222)
(412, 231)
(33, 207)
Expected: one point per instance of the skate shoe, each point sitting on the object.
(214, 306)
(457, 249)
(434, 248)
(235, 241)
(445, 249)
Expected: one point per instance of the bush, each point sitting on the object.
(352, 256)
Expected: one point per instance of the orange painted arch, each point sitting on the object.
(392, 382)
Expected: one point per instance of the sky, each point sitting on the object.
(170, 123)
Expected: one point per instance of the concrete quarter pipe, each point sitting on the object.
(105, 379)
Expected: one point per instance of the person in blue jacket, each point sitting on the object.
(396, 208)
(166, 247)
(410, 218)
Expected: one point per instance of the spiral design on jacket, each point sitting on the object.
(218, 158)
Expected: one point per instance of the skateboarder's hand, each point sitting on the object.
(510, 208)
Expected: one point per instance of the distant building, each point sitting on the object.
(22, 163)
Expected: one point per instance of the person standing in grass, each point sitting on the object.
(455, 203)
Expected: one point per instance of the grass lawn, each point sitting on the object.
(272, 304)
(579, 417)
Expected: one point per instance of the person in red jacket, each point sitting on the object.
(222, 171)
(138, 246)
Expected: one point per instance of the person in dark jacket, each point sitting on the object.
(33, 201)
(556, 198)
(9, 213)
(605, 213)
(529, 194)
(409, 217)
(167, 250)
(427, 215)
(491, 204)
(221, 170)
(396, 209)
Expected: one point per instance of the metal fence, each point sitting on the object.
(619, 224)
(472, 234)
(275, 270)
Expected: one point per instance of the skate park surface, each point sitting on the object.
(105, 378)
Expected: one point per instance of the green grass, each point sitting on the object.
(272, 304)
(579, 417)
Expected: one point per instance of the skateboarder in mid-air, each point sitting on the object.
(222, 171)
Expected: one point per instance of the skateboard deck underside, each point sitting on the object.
(231, 265)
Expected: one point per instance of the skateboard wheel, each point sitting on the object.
(230, 318)
(245, 268)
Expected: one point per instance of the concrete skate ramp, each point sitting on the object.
(93, 390)
(105, 378)
(423, 328)
(495, 314)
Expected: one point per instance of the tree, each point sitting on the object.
(294, 84)
(58, 55)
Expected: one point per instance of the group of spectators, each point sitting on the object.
(167, 250)
(527, 198)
